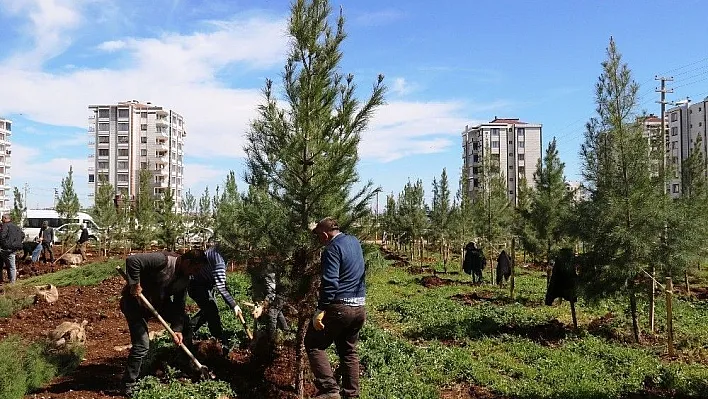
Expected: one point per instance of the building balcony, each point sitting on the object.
(162, 122)
(162, 160)
(162, 171)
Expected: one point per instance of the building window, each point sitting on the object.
(675, 188)
(122, 152)
(103, 126)
(511, 179)
(123, 113)
(522, 170)
(521, 132)
(144, 126)
(103, 113)
(91, 178)
(674, 116)
(521, 157)
(495, 132)
(122, 177)
(521, 144)
(144, 115)
(103, 165)
(8, 126)
(674, 131)
(102, 177)
(102, 153)
(122, 165)
(511, 192)
(143, 165)
(143, 152)
(511, 166)
(495, 144)
(103, 139)
(144, 140)
(511, 142)
(511, 154)
(123, 126)
(122, 139)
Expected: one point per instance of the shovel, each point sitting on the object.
(205, 374)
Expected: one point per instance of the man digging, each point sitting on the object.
(163, 279)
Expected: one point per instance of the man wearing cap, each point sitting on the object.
(340, 312)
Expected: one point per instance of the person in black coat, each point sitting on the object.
(503, 268)
(474, 262)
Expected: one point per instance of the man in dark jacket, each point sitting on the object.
(83, 242)
(46, 237)
(201, 290)
(163, 279)
(474, 262)
(503, 268)
(7, 255)
(340, 312)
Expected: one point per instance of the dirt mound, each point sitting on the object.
(547, 333)
(435, 281)
(466, 391)
(474, 298)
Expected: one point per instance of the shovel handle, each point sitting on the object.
(147, 304)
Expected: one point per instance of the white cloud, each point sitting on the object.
(49, 22)
(112, 45)
(197, 176)
(401, 87)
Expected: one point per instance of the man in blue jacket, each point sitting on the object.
(340, 312)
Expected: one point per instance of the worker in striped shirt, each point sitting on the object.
(201, 290)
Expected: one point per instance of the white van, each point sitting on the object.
(34, 218)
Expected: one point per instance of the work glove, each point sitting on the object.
(257, 311)
(317, 320)
(237, 311)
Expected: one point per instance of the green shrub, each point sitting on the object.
(90, 274)
(151, 388)
(11, 303)
(26, 368)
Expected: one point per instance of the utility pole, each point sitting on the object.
(663, 90)
(665, 187)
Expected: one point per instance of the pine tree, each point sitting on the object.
(412, 214)
(18, 208)
(550, 206)
(492, 205)
(169, 223)
(522, 222)
(623, 219)
(68, 204)
(389, 219)
(143, 227)
(105, 213)
(305, 153)
(204, 219)
(440, 215)
(462, 226)
(189, 210)
(228, 209)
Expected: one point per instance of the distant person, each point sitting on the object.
(503, 268)
(11, 238)
(83, 242)
(162, 277)
(46, 237)
(474, 262)
(269, 305)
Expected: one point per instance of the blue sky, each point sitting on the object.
(447, 64)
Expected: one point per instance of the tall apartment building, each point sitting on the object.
(5, 164)
(130, 136)
(685, 124)
(513, 145)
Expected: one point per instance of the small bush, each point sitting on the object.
(11, 303)
(151, 388)
(26, 368)
(88, 275)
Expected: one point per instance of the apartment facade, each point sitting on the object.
(685, 124)
(5, 164)
(512, 144)
(130, 136)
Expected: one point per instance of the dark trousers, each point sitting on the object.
(342, 326)
(137, 317)
(47, 247)
(274, 318)
(208, 311)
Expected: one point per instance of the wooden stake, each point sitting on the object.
(652, 300)
(572, 312)
(688, 286)
(513, 264)
(669, 316)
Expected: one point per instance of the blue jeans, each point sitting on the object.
(8, 261)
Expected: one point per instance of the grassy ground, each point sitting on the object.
(421, 339)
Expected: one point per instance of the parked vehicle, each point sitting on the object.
(34, 218)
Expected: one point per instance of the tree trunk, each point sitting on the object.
(302, 324)
(633, 310)
(572, 312)
(513, 268)
(688, 285)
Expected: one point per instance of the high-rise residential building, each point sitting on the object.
(130, 136)
(685, 124)
(513, 145)
(5, 164)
